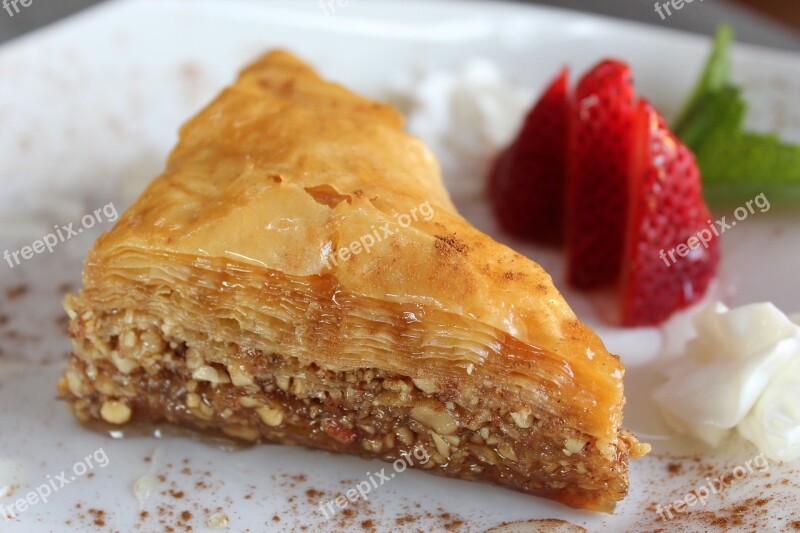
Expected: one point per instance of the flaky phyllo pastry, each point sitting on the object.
(299, 275)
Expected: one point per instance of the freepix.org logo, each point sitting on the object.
(54, 483)
(9, 4)
(677, 5)
(329, 6)
(366, 242)
(62, 234)
(691, 248)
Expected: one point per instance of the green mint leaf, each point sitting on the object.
(716, 75)
(735, 164)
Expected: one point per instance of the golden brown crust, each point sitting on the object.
(238, 237)
(280, 119)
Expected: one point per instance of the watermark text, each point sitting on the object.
(374, 480)
(366, 242)
(677, 5)
(8, 4)
(54, 483)
(706, 235)
(329, 6)
(712, 487)
(62, 234)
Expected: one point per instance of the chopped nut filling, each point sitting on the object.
(135, 371)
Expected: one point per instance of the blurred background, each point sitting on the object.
(774, 23)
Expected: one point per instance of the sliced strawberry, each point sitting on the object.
(526, 185)
(666, 213)
(596, 192)
(630, 192)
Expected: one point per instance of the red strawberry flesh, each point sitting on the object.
(597, 175)
(526, 184)
(666, 214)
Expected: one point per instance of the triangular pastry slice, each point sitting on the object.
(299, 275)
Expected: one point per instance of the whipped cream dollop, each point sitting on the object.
(741, 373)
(465, 114)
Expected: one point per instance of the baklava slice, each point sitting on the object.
(299, 275)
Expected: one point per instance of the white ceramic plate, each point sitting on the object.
(89, 109)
